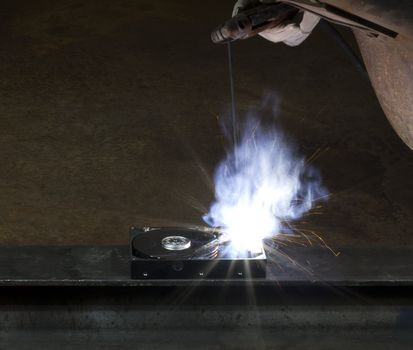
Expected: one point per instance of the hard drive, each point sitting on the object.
(182, 253)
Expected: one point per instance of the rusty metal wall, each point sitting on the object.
(396, 15)
(390, 66)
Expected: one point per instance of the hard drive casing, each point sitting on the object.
(194, 268)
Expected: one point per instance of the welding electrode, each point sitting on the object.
(253, 21)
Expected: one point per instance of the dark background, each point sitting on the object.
(108, 118)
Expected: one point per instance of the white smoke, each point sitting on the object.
(261, 184)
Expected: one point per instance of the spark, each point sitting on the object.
(261, 185)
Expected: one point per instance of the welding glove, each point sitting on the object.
(292, 33)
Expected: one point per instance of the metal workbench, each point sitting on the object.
(66, 297)
(109, 266)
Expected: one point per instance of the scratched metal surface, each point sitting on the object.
(109, 266)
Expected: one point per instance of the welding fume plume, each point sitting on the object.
(261, 183)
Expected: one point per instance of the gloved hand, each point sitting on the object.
(292, 33)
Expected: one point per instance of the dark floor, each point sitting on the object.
(285, 339)
(212, 318)
(109, 108)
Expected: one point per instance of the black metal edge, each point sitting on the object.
(167, 296)
(257, 282)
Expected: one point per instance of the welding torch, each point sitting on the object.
(251, 22)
